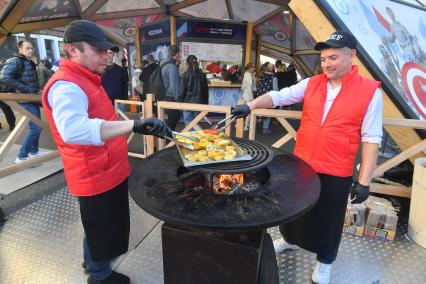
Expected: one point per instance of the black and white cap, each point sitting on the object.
(337, 40)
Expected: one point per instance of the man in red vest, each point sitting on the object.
(93, 147)
(341, 110)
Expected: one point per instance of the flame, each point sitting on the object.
(225, 183)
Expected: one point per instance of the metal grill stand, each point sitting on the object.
(210, 238)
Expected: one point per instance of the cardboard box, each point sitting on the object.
(381, 219)
(355, 219)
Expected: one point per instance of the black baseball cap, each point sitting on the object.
(337, 40)
(87, 31)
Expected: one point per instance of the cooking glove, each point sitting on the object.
(241, 111)
(359, 193)
(152, 126)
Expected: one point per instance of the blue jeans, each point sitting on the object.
(266, 121)
(188, 116)
(30, 144)
(99, 270)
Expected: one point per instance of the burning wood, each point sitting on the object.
(231, 184)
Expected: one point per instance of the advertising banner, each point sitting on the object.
(392, 38)
(210, 30)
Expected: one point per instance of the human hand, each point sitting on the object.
(241, 111)
(152, 126)
(359, 193)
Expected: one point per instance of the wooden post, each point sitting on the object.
(248, 42)
(258, 49)
(173, 30)
(239, 132)
(137, 47)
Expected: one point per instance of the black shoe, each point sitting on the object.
(114, 278)
(11, 127)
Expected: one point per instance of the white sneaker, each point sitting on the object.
(321, 273)
(38, 154)
(19, 160)
(280, 245)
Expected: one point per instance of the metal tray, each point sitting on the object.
(241, 155)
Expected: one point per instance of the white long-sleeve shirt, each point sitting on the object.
(70, 107)
(371, 129)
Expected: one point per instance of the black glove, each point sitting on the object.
(241, 111)
(359, 193)
(152, 126)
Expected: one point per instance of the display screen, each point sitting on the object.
(210, 30)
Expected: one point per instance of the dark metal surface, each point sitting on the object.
(292, 189)
(261, 156)
(194, 257)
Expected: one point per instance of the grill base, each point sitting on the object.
(192, 256)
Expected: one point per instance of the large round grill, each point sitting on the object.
(261, 155)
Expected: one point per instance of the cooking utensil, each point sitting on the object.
(215, 126)
(183, 144)
(190, 137)
(226, 125)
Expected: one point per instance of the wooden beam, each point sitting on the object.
(398, 159)
(249, 40)
(403, 122)
(17, 107)
(138, 47)
(270, 15)
(258, 51)
(13, 136)
(306, 52)
(229, 8)
(401, 191)
(320, 27)
(162, 5)
(17, 13)
(173, 30)
(3, 31)
(276, 48)
(293, 34)
(305, 70)
(193, 107)
(282, 140)
(184, 4)
(78, 7)
(276, 2)
(126, 14)
(8, 170)
(93, 8)
(49, 24)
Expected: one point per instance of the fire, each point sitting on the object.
(225, 183)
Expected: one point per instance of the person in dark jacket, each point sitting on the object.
(115, 81)
(193, 88)
(147, 71)
(26, 83)
(44, 72)
(171, 80)
(10, 116)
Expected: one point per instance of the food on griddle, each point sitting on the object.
(213, 146)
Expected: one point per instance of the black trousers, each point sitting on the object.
(106, 222)
(173, 115)
(10, 116)
(320, 229)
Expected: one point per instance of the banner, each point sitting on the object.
(211, 30)
(212, 51)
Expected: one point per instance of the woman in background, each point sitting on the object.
(193, 88)
(267, 82)
(248, 86)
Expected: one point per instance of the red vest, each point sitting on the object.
(331, 148)
(89, 169)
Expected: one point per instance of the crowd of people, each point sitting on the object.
(342, 110)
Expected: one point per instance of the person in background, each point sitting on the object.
(171, 80)
(341, 110)
(44, 72)
(147, 71)
(282, 75)
(248, 87)
(193, 88)
(8, 112)
(292, 74)
(19, 73)
(93, 147)
(267, 82)
(115, 80)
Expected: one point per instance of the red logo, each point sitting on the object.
(414, 78)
